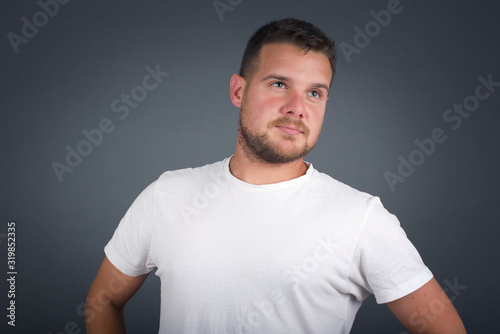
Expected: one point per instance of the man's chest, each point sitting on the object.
(251, 249)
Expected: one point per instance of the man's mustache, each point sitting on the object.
(287, 122)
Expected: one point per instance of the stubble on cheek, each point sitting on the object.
(260, 147)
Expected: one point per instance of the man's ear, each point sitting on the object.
(236, 89)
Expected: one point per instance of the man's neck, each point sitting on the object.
(257, 172)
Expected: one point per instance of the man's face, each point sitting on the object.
(283, 104)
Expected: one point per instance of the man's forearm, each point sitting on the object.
(104, 319)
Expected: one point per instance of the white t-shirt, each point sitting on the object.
(297, 256)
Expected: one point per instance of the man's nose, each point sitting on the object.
(295, 106)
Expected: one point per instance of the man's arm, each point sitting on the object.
(428, 310)
(107, 297)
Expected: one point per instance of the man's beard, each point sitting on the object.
(258, 146)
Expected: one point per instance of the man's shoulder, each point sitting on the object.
(193, 174)
(340, 191)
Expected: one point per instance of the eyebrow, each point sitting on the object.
(283, 78)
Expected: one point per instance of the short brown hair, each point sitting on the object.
(291, 31)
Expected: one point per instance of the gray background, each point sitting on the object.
(394, 91)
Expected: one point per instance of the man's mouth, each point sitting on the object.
(290, 130)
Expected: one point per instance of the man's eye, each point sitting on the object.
(279, 84)
(315, 93)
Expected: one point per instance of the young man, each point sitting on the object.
(261, 242)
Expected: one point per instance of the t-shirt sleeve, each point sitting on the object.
(129, 248)
(386, 262)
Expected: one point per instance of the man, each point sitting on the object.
(261, 242)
